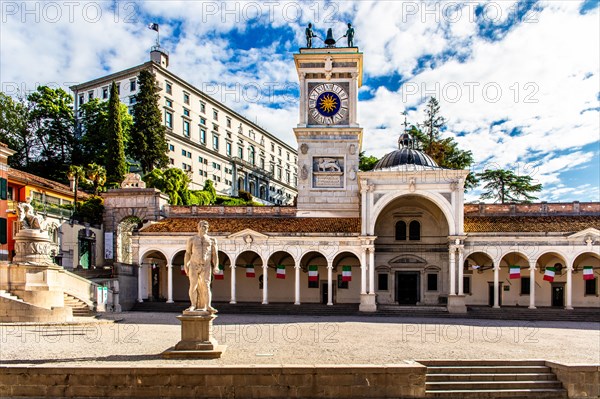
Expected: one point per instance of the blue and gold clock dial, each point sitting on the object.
(328, 104)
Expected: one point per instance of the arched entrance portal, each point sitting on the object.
(124, 232)
(152, 283)
(411, 252)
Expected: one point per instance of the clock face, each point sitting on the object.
(328, 103)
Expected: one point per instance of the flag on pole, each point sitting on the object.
(219, 275)
(250, 271)
(313, 273)
(588, 273)
(281, 271)
(549, 274)
(514, 271)
(346, 273)
(153, 26)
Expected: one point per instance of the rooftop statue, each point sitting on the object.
(309, 35)
(350, 35)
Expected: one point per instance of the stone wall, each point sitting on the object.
(331, 381)
(128, 285)
(538, 209)
(580, 381)
(215, 210)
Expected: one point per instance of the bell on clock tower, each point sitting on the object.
(329, 137)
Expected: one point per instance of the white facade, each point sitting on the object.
(206, 138)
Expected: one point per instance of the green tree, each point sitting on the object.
(366, 163)
(173, 182)
(91, 210)
(52, 122)
(505, 186)
(115, 164)
(96, 175)
(148, 143)
(15, 132)
(444, 151)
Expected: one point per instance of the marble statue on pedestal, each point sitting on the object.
(201, 259)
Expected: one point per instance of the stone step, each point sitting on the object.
(479, 362)
(478, 385)
(492, 377)
(499, 393)
(79, 308)
(491, 369)
(8, 295)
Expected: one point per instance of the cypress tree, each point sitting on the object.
(148, 143)
(115, 164)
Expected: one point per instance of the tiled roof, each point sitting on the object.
(473, 224)
(529, 224)
(28, 178)
(259, 224)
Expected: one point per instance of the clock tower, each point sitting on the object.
(329, 137)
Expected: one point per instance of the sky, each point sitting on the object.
(518, 81)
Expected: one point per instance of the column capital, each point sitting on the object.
(232, 266)
(169, 265)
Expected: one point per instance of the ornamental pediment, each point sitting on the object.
(588, 235)
(408, 260)
(248, 235)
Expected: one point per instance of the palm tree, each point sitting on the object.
(97, 175)
(75, 174)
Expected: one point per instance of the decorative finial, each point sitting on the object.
(405, 140)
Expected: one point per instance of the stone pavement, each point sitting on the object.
(138, 339)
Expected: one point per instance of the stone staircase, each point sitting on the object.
(8, 295)
(80, 308)
(590, 315)
(491, 379)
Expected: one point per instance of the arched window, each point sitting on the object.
(401, 231)
(414, 231)
(251, 154)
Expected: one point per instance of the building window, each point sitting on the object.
(169, 120)
(202, 121)
(90, 95)
(186, 154)
(272, 147)
(432, 282)
(215, 127)
(400, 231)
(466, 284)
(414, 231)
(202, 136)
(525, 281)
(262, 163)
(186, 112)
(104, 93)
(241, 152)
(168, 103)
(251, 154)
(279, 150)
(202, 107)
(171, 161)
(228, 148)
(171, 147)
(168, 88)
(229, 122)
(287, 155)
(279, 172)
(382, 282)
(118, 88)
(186, 128)
(215, 142)
(186, 98)
(132, 85)
(215, 114)
(591, 287)
(132, 99)
(81, 100)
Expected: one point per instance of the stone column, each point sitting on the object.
(233, 299)
(372, 270)
(363, 272)
(169, 283)
(265, 299)
(303, 117)
(452, 270)
(531, 285)
(496, 283)
(297, 284)
(569, 304)
(461, 269)
(329, 282)
(140, 271)
(363, 205)
(353, 94)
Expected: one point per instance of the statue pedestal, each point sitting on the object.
(456, 304)
(33, 247)
(197, 340)
(368, 303)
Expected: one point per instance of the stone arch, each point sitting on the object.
(152, 275)
(124, 231)
(249, 289)
(347, 287)
(437, 199)
(86, 248)
(312, 291)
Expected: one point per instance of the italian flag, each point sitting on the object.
(549, 274)
(313, 273)
(281, 271)
(220, 275)
(183, 270)
(346, 273)
(250, 271)
(588, 273)
(514, 271)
